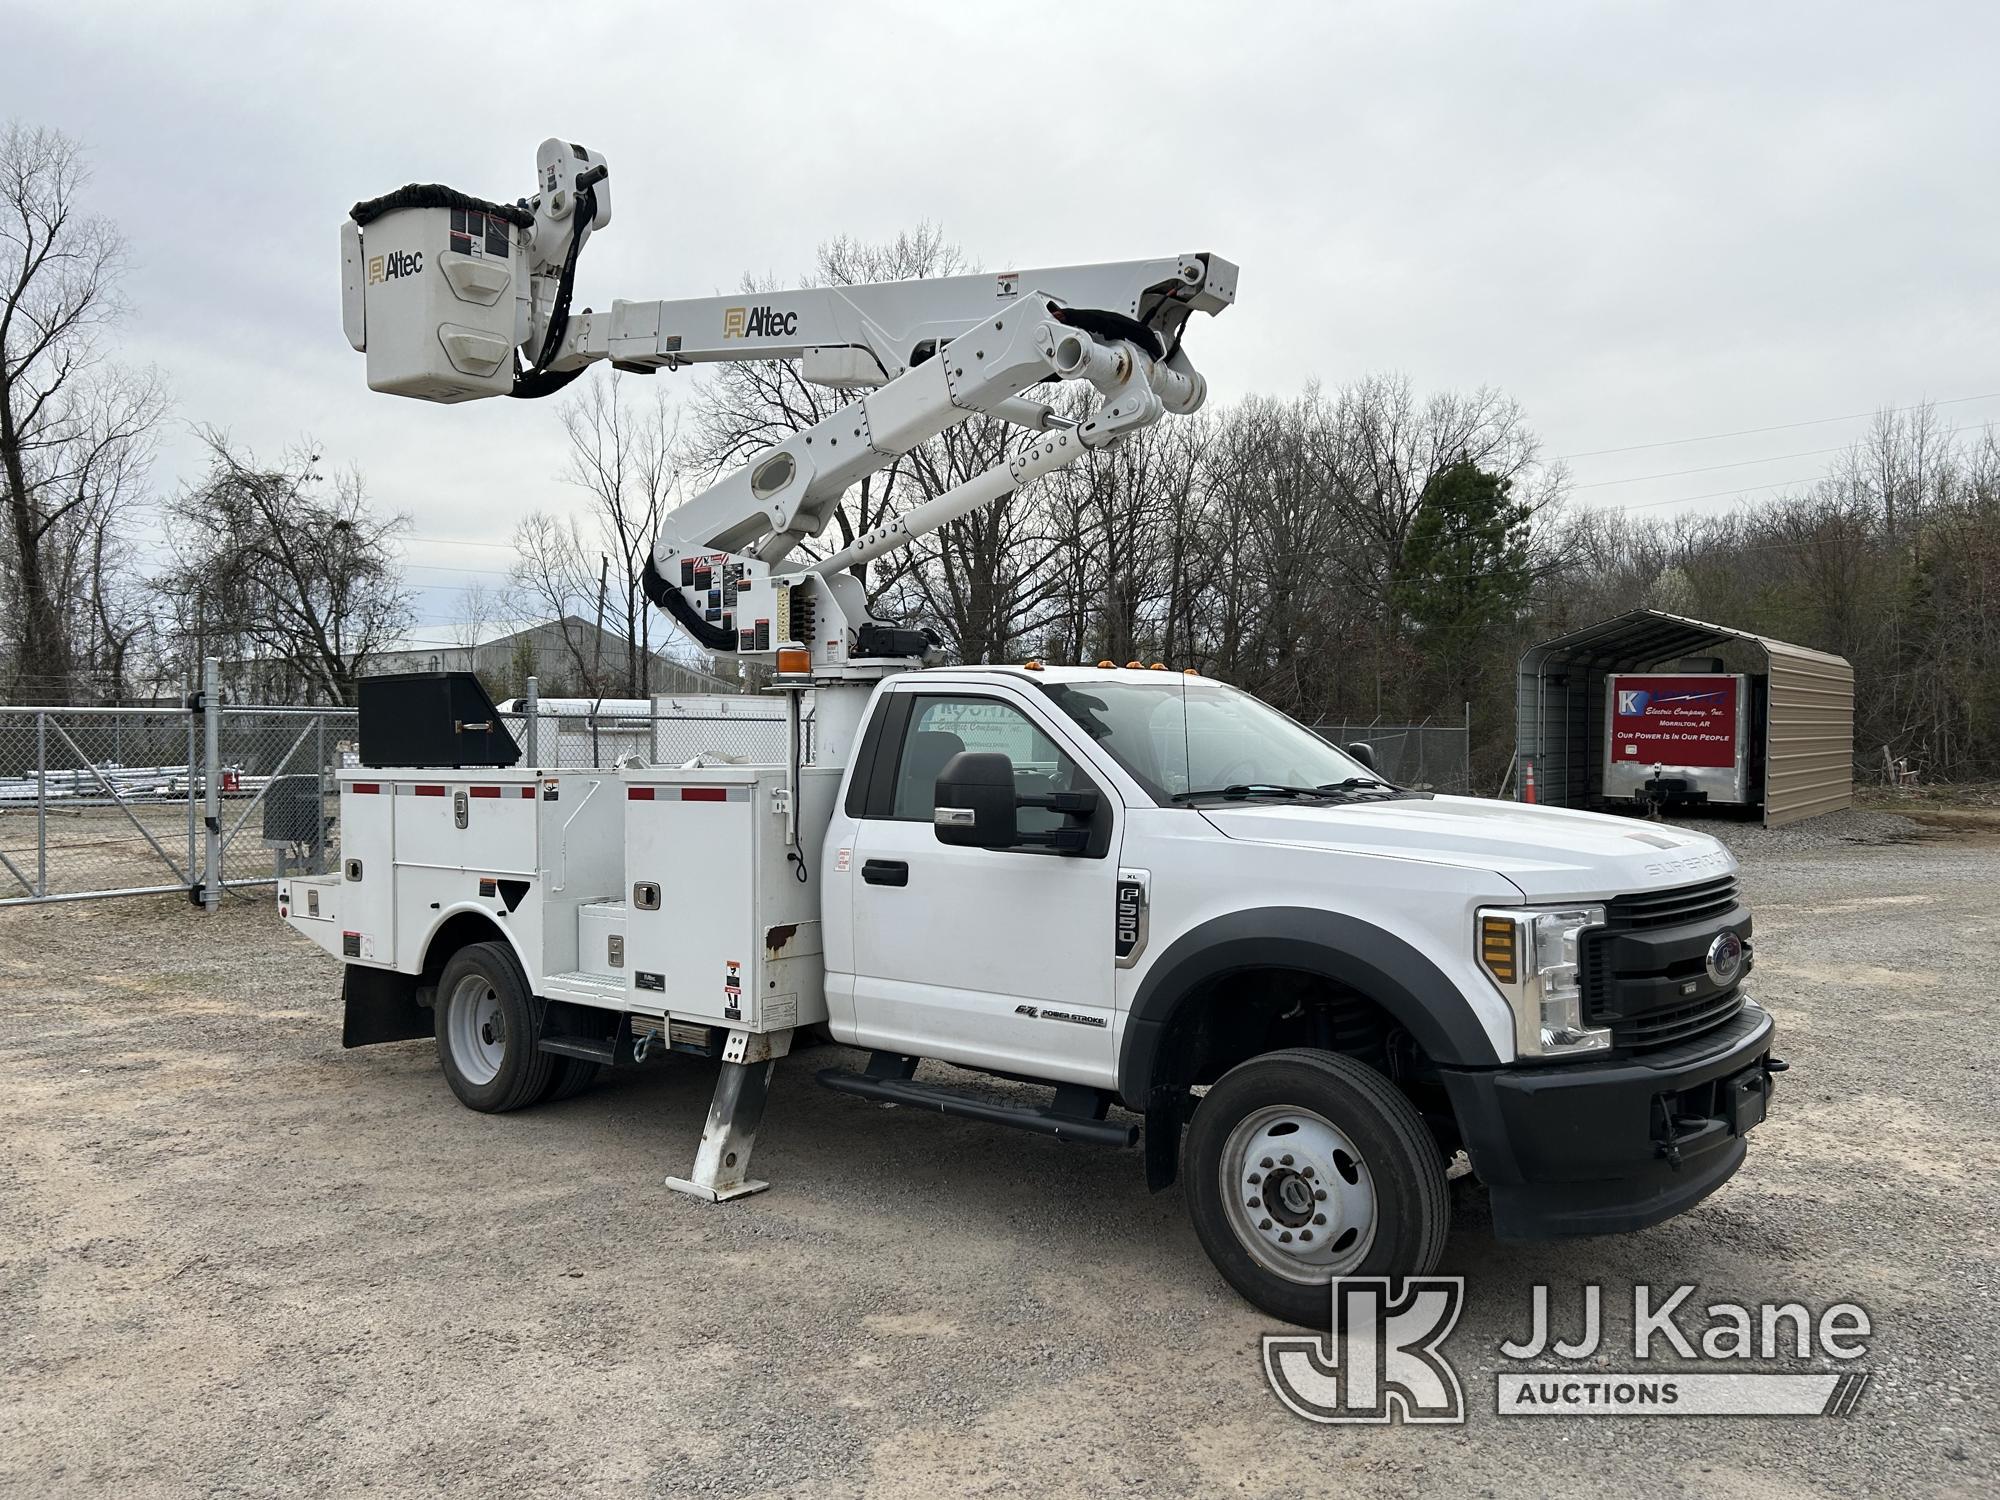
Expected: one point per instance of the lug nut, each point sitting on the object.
(1305, 1234)
(1255, 1178)
(1319, 1195)
(1305, 1171)
(1285, 1238)
(1267, 1164)
(1254, 1203)
(1263, 1223)
(1286, 1160)
(1319, 1218)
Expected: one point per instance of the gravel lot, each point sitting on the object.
(236, 1260)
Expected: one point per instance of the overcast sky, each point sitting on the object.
(1646, 221)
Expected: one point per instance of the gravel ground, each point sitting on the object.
(235, 1260)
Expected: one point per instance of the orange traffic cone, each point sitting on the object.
(1527, 781)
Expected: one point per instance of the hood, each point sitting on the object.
(1549, 853)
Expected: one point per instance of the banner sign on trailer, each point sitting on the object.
(1673, 721)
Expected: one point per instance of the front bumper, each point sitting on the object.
(1601, 1148)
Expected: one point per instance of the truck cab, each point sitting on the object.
(1207, 913)
(1301, 990)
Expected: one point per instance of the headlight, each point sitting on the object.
(1532, 958)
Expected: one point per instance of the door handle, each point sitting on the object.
(885, 872)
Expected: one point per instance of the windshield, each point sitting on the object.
(1181, 738)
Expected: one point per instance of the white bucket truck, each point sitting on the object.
(1300, 989)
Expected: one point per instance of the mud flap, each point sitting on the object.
(382, 1006)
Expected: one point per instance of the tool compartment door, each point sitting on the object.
(689, 925)
(368, 866)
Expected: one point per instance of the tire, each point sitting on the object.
(487, 1026)
(569, 1077)
(1292, 1147)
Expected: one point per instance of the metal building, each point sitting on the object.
(1803, 729)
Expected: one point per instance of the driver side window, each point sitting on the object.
(940, 727)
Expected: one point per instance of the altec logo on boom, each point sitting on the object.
(758, 323)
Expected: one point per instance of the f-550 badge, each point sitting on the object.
(1129, 917)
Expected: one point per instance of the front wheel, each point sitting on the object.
(1304, 1166)
(487, 1031)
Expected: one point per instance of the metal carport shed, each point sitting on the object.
(1802, 729)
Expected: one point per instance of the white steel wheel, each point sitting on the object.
(1299, 1196)
(1304, 1166)
(489, 1030)
(476, 1029)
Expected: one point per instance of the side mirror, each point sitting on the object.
(974, 801)
(1364, 752)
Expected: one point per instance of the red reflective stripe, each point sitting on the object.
(486, 791)
(704, 794)
(527, 791)
(639, 793)
(366, 787)
(430, 791)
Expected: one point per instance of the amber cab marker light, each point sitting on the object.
(1031, 666)
(1108, 665)
(1497, 936)
(1138, 664)
(793, 660)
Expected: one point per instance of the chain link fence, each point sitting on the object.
(115, 801)
(1424, 757)
(573, 734)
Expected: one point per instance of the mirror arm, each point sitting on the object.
(1062, 840)
(1077, 804)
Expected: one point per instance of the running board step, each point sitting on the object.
(888, 1080)
(582, 1047)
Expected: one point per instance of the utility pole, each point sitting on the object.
(597, 652)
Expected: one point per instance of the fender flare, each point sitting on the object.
(462, 908)
(1366, 958)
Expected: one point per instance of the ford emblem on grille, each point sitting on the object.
(1725, 958)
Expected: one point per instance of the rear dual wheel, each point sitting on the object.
(1304, 1166)
(488, 1024)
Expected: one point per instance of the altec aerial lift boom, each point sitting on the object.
(454, 298)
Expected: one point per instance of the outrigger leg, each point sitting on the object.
(722, 1163)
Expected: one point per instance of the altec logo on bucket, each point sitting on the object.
(395, 265)
(1384, 1361)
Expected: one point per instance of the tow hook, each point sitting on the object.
(1776, 1064)
(640, 1042)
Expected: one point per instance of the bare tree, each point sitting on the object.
(555, 574)
(623, 456)
(73, 431)
(290, 570)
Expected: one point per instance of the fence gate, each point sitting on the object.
(116, 801)
(1425, 757)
